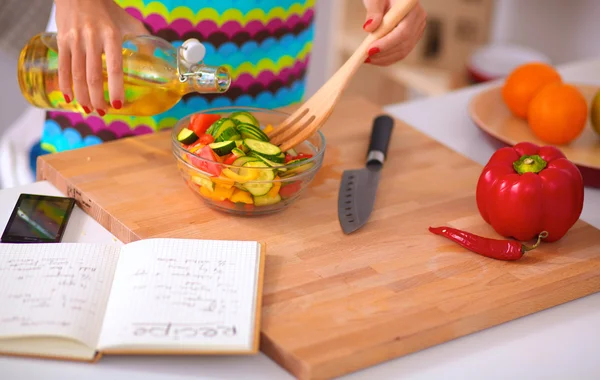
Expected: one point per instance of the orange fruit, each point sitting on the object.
(524, 82)
(558, 113)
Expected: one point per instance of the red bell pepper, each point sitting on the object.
(526, 189)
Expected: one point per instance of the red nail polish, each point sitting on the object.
(101, 113)
(369, 21)
(117, 104)
(67, 98)
(368, 60)
(373, 51)
(87, 110)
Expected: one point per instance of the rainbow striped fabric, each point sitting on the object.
(266, 45)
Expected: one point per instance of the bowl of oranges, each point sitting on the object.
(535, 103)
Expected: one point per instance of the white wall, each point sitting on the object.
(12, 103)
(564, 30)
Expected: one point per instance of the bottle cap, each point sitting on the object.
(193, 51)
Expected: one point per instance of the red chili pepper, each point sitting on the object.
(492, 248)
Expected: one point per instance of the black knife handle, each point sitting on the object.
(381, 134)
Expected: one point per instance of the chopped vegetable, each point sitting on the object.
(222, 148)
(187, 136)
(258, 173)
(508, 250)
(526, 189)
(200, 122)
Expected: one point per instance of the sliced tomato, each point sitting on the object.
(288, 190)
(200, 122)
(213, 168)
(206, 139)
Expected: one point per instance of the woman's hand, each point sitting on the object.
(396, 45)
(86, 30)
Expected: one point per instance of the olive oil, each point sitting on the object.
(156, 76)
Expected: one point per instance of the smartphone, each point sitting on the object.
(38, 219)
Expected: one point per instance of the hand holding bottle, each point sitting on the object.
(396, 45)
(86, 30)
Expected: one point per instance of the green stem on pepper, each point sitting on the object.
(542, 235)
(529, 164)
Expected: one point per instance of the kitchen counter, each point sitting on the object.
(522, 349)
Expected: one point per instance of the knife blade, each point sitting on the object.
(358, 187)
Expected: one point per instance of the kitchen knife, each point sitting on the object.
(358, 188)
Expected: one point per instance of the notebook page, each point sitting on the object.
(174, 294)
(55, 289)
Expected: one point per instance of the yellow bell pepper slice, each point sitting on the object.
(252, 174)
(206, 193)
(223, 181)
(268, 129)
(196, 148)
(222, 192)
(275, 189)
(241, 196)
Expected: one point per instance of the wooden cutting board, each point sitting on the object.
(333, 303)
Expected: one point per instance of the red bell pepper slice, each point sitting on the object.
(229, 159)
(200, 122)
(289, 157)
(214, 168)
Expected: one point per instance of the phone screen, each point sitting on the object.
(38, 219)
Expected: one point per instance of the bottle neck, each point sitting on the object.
(206, 79)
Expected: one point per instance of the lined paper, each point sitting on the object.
(176, 292)
(55, 289)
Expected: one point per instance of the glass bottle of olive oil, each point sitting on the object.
(156, 75)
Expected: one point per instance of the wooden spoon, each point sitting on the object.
(313, 113)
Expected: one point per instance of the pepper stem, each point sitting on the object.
(529, 164)
(542, 235)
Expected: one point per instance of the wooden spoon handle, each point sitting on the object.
(393, 17)
(390, 20)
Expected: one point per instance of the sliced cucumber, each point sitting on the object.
(251, 132)
(243, 117)
(238, 152)
(204, 182)
(299, 168)
(225, 125)
(230, 134)
(272, 164)
(214, 126)
(265, 149)
(264, 174)
(222, 148)
(186, 136)
(292, 152)
(242, 160)
(279, 158)
(266, 200)
(240, 145)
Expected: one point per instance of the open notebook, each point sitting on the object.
(156, 296)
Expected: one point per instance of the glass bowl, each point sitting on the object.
(260, 180)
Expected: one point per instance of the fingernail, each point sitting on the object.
(368, 60)
(67, 98)
(373, 51)
(369, 21)
(101, 113)
(87, 110)
(117, 104)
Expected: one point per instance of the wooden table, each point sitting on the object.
(334, 303)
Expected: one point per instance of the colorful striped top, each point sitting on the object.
(266, 45)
